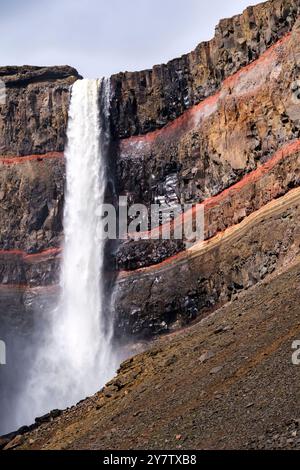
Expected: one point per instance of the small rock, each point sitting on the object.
(206, 356)
(215, 370)
(170, 361)
(15, 442)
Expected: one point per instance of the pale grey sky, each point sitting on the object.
(101, 37)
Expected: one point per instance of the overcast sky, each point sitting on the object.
(101, 37)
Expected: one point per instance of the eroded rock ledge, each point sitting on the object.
(34, 119)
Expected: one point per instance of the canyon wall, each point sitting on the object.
(219, 127)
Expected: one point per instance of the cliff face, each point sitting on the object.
(212, 145)
(32, 137)
(148, 100)
(234, 150)
(35, 117)
(219, 126)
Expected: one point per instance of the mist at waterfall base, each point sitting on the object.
(74, 357)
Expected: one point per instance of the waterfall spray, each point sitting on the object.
(75, 358)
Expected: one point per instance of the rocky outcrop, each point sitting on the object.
(198, 281)
(148, 100)
(211, 146)
(34, 118)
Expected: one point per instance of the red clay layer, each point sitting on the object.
(31, 256)
(186, 118)
(28, 158)
(23, 287)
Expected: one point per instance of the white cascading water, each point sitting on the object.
(76, 357)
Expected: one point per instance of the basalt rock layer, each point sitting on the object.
(212, 145)
(34, 118)
(211, 273)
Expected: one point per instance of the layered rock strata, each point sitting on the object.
(201, 279)
(269, 181)
(218, 127)
(147, 100)
(212, 145)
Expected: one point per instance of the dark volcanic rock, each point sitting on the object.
(138, 254)
(34, 118)
(31, 203)
(201, 280)
(214, 144)
(147, 100)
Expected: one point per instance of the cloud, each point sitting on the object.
(101, 37)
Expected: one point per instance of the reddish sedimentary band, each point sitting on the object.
(32, 257)
(5, 160)
(288, 149)
(184, 255)
(50, 288)
(186, 121)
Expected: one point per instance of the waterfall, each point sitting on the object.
(75, 357)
